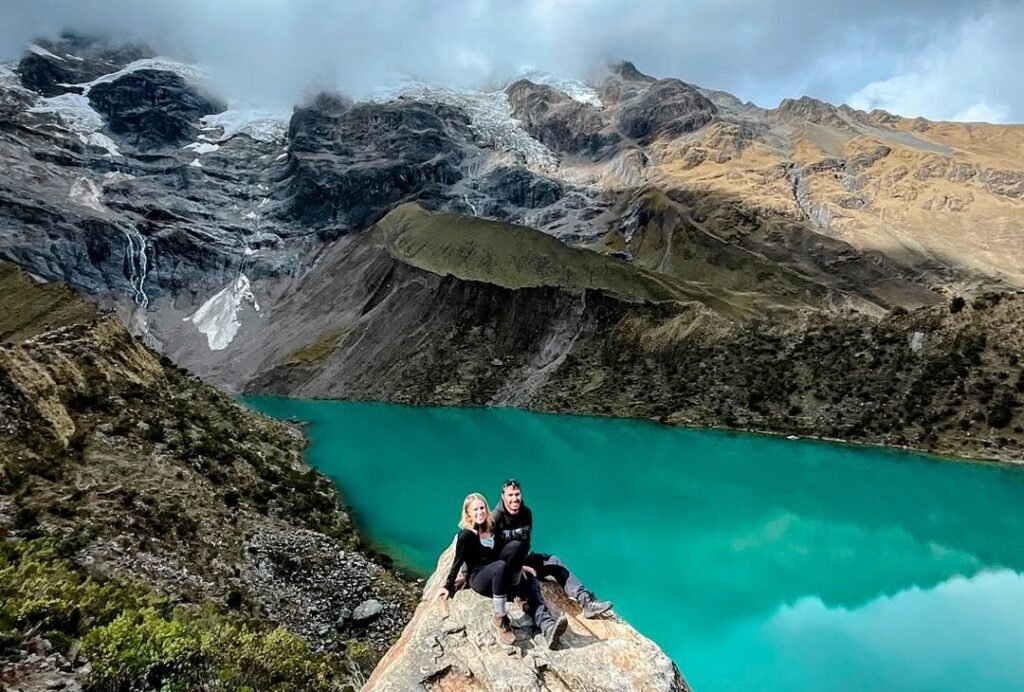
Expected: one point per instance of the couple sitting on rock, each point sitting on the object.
(495, 548)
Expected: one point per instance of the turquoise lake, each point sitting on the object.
(755, 562)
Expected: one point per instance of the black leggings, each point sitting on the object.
(500, 577)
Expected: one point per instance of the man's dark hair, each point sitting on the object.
(511, 483)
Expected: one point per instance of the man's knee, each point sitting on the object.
(554, 561)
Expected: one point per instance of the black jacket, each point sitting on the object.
(469, 550)
(512, 527)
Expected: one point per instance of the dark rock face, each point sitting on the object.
(150, 109)
(522, 188)
(44, 74)
(75, 59)
(628, 71)
(560, 122)
(637, 107)
(623, 82)
(349, 166)
(668, 107)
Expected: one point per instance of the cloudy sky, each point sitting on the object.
(941, 59)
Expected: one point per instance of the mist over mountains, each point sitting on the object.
(942, 61)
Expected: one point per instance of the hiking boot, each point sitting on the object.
(591, 606)
(553, 630)
(504, 629)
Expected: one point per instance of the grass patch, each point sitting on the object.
(316, 351)
(28, 308)
(515, 257)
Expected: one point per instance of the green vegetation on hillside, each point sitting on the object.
(28, 307)
(137, 639)
(316, 351)
(519, 257)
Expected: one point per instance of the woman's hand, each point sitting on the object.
(529, 571)
(460, 581)
(442, 595)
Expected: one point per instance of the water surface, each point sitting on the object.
(755, 562)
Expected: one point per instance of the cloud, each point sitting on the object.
(271, 51)
(970, 74)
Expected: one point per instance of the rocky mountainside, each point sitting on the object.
(153, 532)
(528, 245)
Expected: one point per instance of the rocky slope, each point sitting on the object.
(130, 492)
(450, 646)
(684, 243)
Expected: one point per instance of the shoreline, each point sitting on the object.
(946, 456)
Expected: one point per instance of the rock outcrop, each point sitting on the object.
(450, 646)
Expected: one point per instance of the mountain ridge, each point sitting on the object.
(648, 190)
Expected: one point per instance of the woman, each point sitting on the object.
(498, 575)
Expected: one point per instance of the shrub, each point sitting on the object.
(957, 304)
(143, 650)
(134, 640)
(1000, 413)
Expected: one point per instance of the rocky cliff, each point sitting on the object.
(134, 496)
(450, 646)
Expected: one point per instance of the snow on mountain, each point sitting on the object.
(261, 125)
(77, 114)
(217, 318)
(188, 72)
(39, 50)
(490, 115)
(573, 88)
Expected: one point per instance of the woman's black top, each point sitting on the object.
(469, 550)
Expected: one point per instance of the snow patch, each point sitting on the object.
(76, 113)
(217, 318)
(190, 73)
(74, 110)
(202, 147)
(261, 125)
(39, 50)
(490, 115)
(195, 163)
(86, 193)
(573, 88)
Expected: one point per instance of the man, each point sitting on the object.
(513, 521)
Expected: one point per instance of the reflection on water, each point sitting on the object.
(751, 560)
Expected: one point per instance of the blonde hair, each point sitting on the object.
(466, 521)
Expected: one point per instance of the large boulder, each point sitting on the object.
(450, 645)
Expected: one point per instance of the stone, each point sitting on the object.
(366, 611)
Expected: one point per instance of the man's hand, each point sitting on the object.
(460, 581)
(442, 595)
(529, 571)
